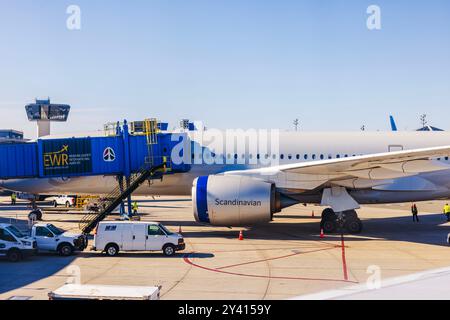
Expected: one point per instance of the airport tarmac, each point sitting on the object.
(280, 260)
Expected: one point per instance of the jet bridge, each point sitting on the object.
(117, 153)
(134, 158)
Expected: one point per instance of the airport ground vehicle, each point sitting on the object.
(35, 215)
(102, 292)
(114, 236)
(63, 200)
(51, 239)
(14, 244)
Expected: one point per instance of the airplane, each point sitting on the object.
(338, 170)
(393, 124)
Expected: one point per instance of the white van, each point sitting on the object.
(114, 236)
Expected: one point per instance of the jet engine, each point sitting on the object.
(234, 200)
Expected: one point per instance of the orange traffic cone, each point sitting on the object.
(321, 233)
(241, 235)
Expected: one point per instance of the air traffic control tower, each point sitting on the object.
(43, 112)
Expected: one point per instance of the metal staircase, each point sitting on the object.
(152, 165)
(115, 197)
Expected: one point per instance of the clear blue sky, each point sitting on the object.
(231, 63)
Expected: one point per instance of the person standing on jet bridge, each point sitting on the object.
(447, 211)
(415, 213)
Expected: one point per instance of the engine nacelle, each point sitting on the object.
(233, 200)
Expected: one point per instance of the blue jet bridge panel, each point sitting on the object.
(122, 154)
(18, 161)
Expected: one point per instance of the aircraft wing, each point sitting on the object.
(356, 172)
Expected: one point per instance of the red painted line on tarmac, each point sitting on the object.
(188, 261)
(275, 258)
(344, 260)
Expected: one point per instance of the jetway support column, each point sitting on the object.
(127, 165)
(130, 211)
(122, 204)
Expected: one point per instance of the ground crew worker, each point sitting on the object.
(415, 213)
(134, 207)
(13, 199)
(447, 211)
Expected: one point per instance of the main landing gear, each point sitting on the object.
(346, 221)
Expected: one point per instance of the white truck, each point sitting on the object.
(114, 236)
(63, 200)
(14, 244)
(52, 239)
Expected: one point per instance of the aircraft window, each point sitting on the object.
(274, 156)
(330, 156)
(282, 157)
(236, 156)
(266, 156)
(338, 156)
(298, 157)
(243, 156)
(446, 158)
(290, 157)
(250, 156)
(346, 156)
(439, 159)
(258, 156)
(193, 156)
(213, 154)
(306, 157)
(314, 157)
(321, 157)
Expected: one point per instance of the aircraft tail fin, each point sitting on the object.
(393, 124)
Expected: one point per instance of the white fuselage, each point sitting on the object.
(294, 147)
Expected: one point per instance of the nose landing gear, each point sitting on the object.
(346, 221)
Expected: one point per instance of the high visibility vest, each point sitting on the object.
(13, 196)
(134, 206)
(447, 209)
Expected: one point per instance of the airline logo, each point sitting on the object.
(237, 202)
(109, 155)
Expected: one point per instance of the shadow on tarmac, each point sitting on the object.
(21, 274)
(431, 230)
(141, 255)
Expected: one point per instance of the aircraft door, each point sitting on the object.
(395, 147)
